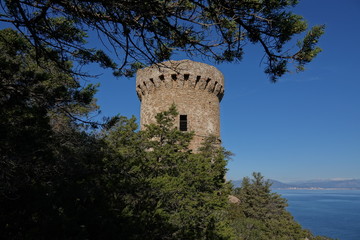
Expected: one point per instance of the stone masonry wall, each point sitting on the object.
(195, 88)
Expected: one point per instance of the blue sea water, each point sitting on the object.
(331, 213)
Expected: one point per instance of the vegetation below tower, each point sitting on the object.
(61, 178)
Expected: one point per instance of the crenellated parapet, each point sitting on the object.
(185, 74)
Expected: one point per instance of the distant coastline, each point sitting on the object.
(314, 188)
(324, 184)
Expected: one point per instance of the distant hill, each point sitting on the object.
(236, 183)
(329, 183)
(280, 185)
(313, 184)
(275, 184)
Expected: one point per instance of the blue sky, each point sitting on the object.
(306, 126)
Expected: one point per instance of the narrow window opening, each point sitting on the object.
(183, 123)
(152, 81)
(197, 80)
(141, 90)
(162, 78)
(214, 86)
(186, 77)
(207, 83)
(174, 77)
(219, 93)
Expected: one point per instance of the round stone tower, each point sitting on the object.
(195, 88)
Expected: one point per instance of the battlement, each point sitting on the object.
(185, 74)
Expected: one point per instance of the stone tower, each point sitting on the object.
(195, 88)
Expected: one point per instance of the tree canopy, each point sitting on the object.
(261, 214)
(62, 181)
(136, 33)
(48, 165)
(59, 180)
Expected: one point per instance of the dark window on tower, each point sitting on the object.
(183, 122)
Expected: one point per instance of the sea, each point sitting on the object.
(331, 213)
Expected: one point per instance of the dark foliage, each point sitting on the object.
(151, 31)
(262, 215)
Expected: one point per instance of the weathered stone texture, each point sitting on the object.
(195, 88)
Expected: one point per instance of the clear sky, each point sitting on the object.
(306, 126)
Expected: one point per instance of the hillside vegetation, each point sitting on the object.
(62, 177)
(261, 214)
